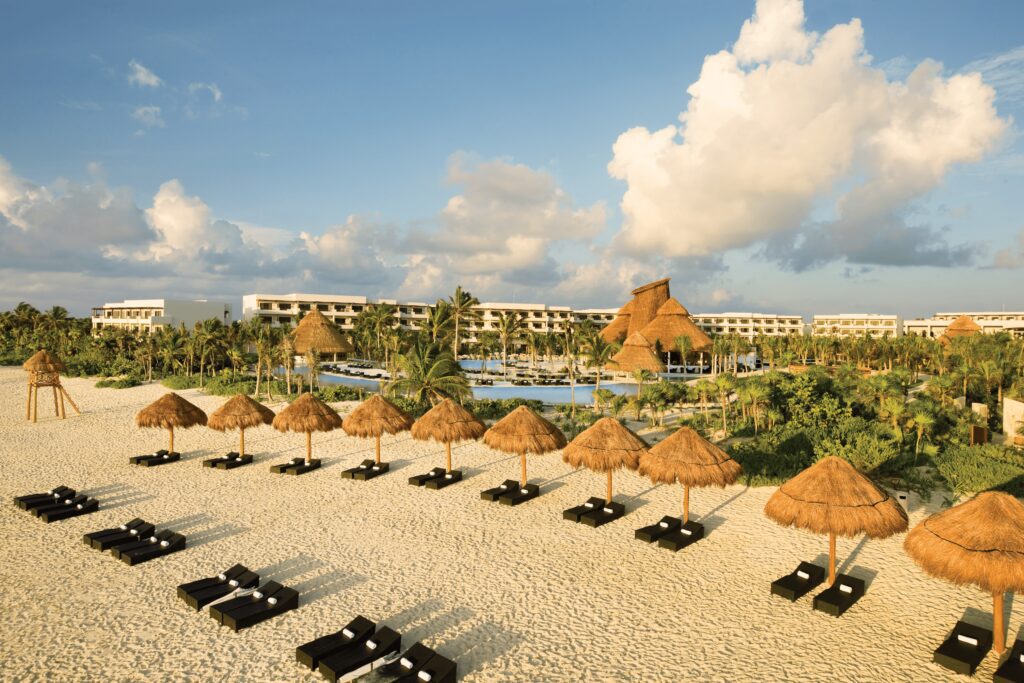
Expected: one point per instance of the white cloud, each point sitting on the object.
(149, 116)
(783, 122)
(1011, 257)
(141, 76)
(1004, 72)
(211, 88)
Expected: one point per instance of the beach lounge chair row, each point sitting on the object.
(595, 512)
(236, 600)
(436, 478)
(671, 533)
(161, 457)
(296, 466)
(228, 462)
(229, 584)
(135, 542)
(363, 646)
(967, 646)
(368, 469)
(510, 492)
(834, 600)
(58, 503)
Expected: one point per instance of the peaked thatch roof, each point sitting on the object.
(964, 326)
(831, 496)
(690, 459)
(647, 299)
(672, 321)
(315, 331)
(376, 416)
(448, 422)
(636, 354)
(44, 361)
(240, 412)
(307, 413)
(170, 411)
(605, 446)
(617, 329)
(979, 542)
(524, 431)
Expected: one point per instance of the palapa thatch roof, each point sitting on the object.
(831, 496)
(672, 321)
(524, 431)
(315, 331)
(636, 354)
(448, 422)
(617, 329)
(307, 413)
(605, 446)
(44, 361)
(170, 411)
(964, 326)
(690, 459)
(979, 542)
(240, 412)
(376, 416)
(647, 299)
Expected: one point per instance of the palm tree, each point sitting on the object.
(894, 409)
(461, 305)
(428, 373)
(508, 327)
(532, 342)
(757, 395)
(724, 385)
(598, 354)
(705, 390)
(641, 377)
(922, 421)
(685, 347)
(439, 322)
(378, 319)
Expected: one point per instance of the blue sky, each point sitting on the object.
(213, 149)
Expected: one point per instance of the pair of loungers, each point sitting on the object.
(296, 466)
(235, 582)
(136, 542)
(595, 512)
(671, 533)
(363, 646)
(253, 605)
(834, 600)
(436, 478)
(57, 504)
(511, 492)
(161, 457)
(368, 469)
(228, 462)
(966, 647)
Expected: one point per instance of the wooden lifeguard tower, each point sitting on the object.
(44, 371)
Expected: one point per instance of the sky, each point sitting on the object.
(769, 156)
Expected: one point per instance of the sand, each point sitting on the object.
(512, 594)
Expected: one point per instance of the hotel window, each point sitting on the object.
(303, 307)
(339, 307)
(283, 307)
(321, 307)
(264, 306)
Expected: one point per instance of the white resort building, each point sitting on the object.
(749, 325)
(148, 315)
(989, 321)
(857, 325)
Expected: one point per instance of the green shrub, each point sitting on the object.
(179, 382)
(972, 469)
(332, 393)
(495, 408)
(118, 383)
(775, 456)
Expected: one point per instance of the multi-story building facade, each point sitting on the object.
(749, 325)
(857, 325)
(989, 321)
(149, 315)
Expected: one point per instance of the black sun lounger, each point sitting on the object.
(446, 479)
(129, 532)
(421, 479)
(840, 596)
(520, 495)
(506, 486)
(157, 460)
(608, 512)
(136, 459)
(198, 594)
(228, 462)
(75, 509)
(368, 469)
(438, 669)
(805, 578)
(1012, 668)
(687, 534)
(964, 649)
(652, 533)
(156, 547)
(409, 664)
(577, 512)
(53, 495)
(119, 548)
(296, 466)
(266, 602)
(359, 659)
(355, 632)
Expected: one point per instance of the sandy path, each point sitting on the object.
(513, 594)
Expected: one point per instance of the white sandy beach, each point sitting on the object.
(512, 594)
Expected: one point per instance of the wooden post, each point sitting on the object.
(63, 413)
(686, 503)
(609, 486)
(831, 558)
(309, 447)
(70, 400)
(28, 408)
(56, 407)
(448, 456)
(241, 442)
(35, 405)
(377, 447)
(522, 467)
(171, 430)
(998, 627)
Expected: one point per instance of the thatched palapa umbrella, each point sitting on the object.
(831, 497)
(307, 414)
(316, 333)
(605, 446)
(448, 422)
(523, 431)
(374, 417)
(168, 412)
(240, 412)
(979, 542)
(690, 459)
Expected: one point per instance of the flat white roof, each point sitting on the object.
(159, 303)
(858, 316)
(744, 315)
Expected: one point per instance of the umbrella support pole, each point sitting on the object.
(28, 408)
(998, 627)
(448, 457)
(522, 465)
(609, 497)
(378, 449)
(171, 430)
(309, 447)
(686, 504)
(831, 558)
(241, 442)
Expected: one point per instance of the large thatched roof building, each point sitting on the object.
(636, 354)
(671, 322)
(964, 326)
